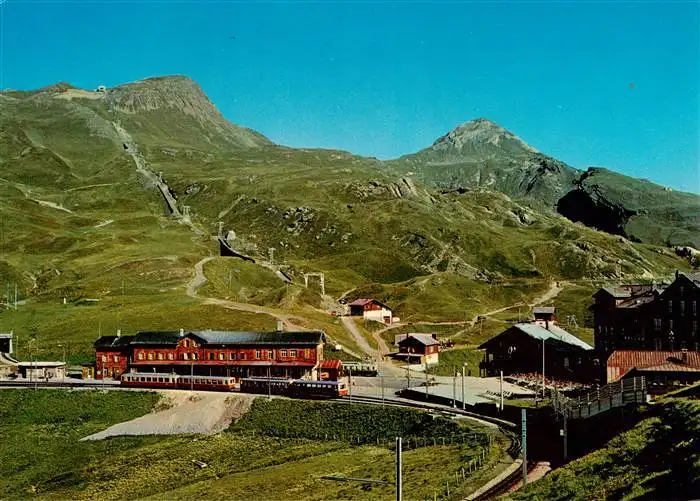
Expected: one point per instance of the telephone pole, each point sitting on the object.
(399, 476)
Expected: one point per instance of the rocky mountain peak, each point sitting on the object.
(179, 94)
(481, 132)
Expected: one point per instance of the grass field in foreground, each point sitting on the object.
(41, 457)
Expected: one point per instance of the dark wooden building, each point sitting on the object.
(213, 353)
(648, 317)
(518, 350)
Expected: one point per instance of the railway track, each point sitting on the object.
(505, 485)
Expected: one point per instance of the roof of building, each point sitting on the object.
(425, 339)
(654, 360)
(544, 310)
(554, 332)
(107, 342)
(231, 337)
(364, 301)
(38, 365)
(332, 364)
(693, 277)
(6, 335)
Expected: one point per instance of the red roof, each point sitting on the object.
(654, 360)
(364, 301)
(332, 364)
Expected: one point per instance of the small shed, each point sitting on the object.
(42, 370)
(330, 370)
(371, 309)
(544, 314)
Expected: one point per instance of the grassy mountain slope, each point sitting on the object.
(657, 459)
(480, 153)
(79, 223)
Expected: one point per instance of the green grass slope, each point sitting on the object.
(657, 459)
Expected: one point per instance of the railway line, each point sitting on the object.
(506, 428)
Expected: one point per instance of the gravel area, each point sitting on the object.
(181, 412)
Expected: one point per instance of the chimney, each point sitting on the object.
(546, 324)
(182, 332)
(119, 333)
(280, 326)
(684, 356)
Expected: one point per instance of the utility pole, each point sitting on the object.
(501, 387)
(454, 387)
(15, 297)
(399, 476)
(191, 376)
(426, 383)
(381, 382)
(523, 441)
(269, 384)
(350, 382)
(565, 435)
(463, 403)
(544, 388)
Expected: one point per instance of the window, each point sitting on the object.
(293, 353)
(104, 358)
(160, 356)
(270, 354)
(116, 358)
(222, 356)
(186, 343)
(670, 306)
(670, 324)
(211, 356)
(307, 354)
(232, 356)
(566, 361)
(695, 326)
(140, 356)
(194, 356)
(258, 354)
(657, 324)
(150, 355)
(283, 353)
(185, 356)
(695, 308)
(657, 344)
(241, 356)
(682, 308)
(170, 356)
(682, 289)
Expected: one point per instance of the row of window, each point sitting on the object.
(681, 305)
(259, 355)
(604, 329)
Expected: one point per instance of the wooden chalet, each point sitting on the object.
(371, 309)
(519, 349)
(418, 348)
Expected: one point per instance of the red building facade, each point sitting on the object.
(111, 356)
(214, 353)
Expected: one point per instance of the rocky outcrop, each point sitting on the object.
(593, 209)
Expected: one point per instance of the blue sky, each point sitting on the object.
(611, 84)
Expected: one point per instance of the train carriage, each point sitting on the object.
(176, 381)
(318, 389)
(274, 386)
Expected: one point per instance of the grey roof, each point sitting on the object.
(311, 338)
(36, 365)
(617, 292)
(112, 341)
(693, 277)
(425, 339)
(544, 309)
(554, 332)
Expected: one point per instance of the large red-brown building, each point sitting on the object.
(212, 353)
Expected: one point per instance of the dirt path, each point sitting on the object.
(184, 412)
(553, 291)
(199, 279)
(351, 327)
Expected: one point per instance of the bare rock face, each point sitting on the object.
(480, 132)
(183, 96)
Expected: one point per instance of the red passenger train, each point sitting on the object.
(298, 388)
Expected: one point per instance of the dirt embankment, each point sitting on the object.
(181, 412)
